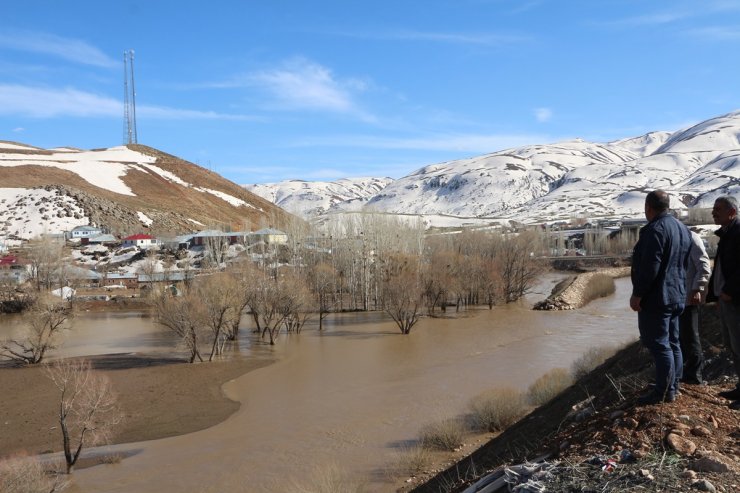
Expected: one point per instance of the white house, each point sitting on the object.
(84, 232)
(140, 240)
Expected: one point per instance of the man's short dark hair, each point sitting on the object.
(658, 200)
(729, 201)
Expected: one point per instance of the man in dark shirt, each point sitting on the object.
(724, 285)
(659, 266)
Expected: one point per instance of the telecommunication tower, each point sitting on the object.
(129, 99)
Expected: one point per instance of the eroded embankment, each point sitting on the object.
(576, 293)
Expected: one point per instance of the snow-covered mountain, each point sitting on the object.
(572, 178)
(313, 198)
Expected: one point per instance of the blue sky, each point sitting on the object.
(263, 91)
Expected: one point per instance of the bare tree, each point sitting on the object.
(45, 258)
(14, 298)
(323, 280)
(218, 294)
(402, 292)
(46, 322)
(88, 410)
(182, 315)
(299, 304)
(149, 267)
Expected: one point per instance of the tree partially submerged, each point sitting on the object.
(402, 292)
(46, 322)
(183, 316)
(88, 409)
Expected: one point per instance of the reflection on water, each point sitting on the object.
(348, 396)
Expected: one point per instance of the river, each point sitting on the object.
(352, 396)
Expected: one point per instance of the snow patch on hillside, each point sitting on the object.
(28, 213)
(102, 168)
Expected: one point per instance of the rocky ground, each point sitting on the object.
(594, 438)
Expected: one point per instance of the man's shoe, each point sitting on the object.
(735, 405)
(655, 398)
(693, 381)
(732, 395)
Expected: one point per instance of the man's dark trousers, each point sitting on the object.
(693, 358)
(659, 333)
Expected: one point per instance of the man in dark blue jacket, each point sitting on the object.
(724, 285)
(659, 264)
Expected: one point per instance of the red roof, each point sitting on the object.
(138, 237)
(8, 260)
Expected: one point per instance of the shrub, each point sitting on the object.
(548, 386)
(590, 360)
(23, 474)
(413, 461)
(329, 479)
(497, 409)
(598, 286)
(446, 434)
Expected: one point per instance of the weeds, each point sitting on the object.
(545, 388)
(446, 434)
(598, 286)
(24, 474)
(589, 360)
(497, 409)
(328, 479)
(412, 461)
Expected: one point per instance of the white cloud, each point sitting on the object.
(52, 102)
(47, 103)
(300, 84)
(716, 33)
(73, 50)
(477, 143)
(165, 113)
(483, 39)
(543, 114)
(19, 129)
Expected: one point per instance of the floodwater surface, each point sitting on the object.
(353, 396)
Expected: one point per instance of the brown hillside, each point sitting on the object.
(173, 207)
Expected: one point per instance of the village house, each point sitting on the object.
(101, 239)
(80, 232)
(126, 280)
(13, 269)
(270, 236)
(142, 241)
(232, 238)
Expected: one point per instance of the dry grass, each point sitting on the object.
(548, 386)
(328, 479)
(412, 461)
(446, 434)
(590, 360)
(598, 286)
(24, 474)
(497, 409)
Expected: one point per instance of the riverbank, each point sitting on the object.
(159, 396)
(593, 436)
(572, 294)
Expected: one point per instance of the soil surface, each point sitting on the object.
(159, 397)
(594, 437)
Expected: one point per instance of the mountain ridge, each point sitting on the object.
(542, 182)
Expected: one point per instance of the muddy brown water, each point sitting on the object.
(352, 397)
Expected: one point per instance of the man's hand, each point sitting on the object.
(725, 297)
(635, 303)
(695, 297)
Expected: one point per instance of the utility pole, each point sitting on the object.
(129, 99)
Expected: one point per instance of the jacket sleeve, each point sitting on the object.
(700, 260)
(648, 262)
